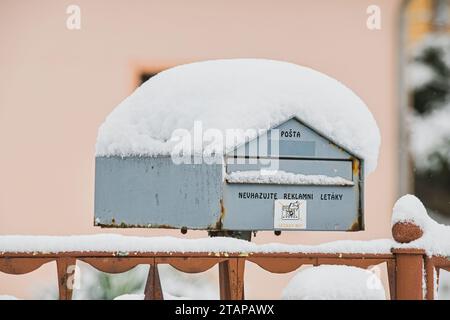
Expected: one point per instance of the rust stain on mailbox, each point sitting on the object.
(315, 184)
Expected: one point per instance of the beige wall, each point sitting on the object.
(57, 86)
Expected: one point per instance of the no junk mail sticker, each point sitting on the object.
(290, 214)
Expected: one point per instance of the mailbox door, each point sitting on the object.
(261, 205)
(252, 206)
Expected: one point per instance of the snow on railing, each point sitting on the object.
(421, 244)
(413, 228)
(120, 243)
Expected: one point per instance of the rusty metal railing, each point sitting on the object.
(231, 266)
(405, 267)
(433, 265)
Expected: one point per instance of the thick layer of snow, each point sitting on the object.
(283, 177)
(119, 243)
(410, 209)
(330, 282)
(237, 94)
(436, 237)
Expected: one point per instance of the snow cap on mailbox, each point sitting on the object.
(317, 139)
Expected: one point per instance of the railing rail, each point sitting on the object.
(409, 270)
(433, 265)
(231, 266)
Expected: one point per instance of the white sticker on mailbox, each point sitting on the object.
(290, 214)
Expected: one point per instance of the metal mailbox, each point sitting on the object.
(307, 183)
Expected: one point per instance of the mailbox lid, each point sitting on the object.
(332, 168)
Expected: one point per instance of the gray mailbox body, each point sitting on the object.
(144, 191)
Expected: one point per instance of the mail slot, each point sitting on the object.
(298, 179)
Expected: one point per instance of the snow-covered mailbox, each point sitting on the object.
(300, 146)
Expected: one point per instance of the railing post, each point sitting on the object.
(391, 269)
(231, 274)
(153, 290)
(224, 280)
(430, 278)
(66, 277)
(240, 278)
(409, 273)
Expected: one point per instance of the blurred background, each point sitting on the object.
(58, 83)
(427, 80)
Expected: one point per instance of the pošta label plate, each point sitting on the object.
(290, 214)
